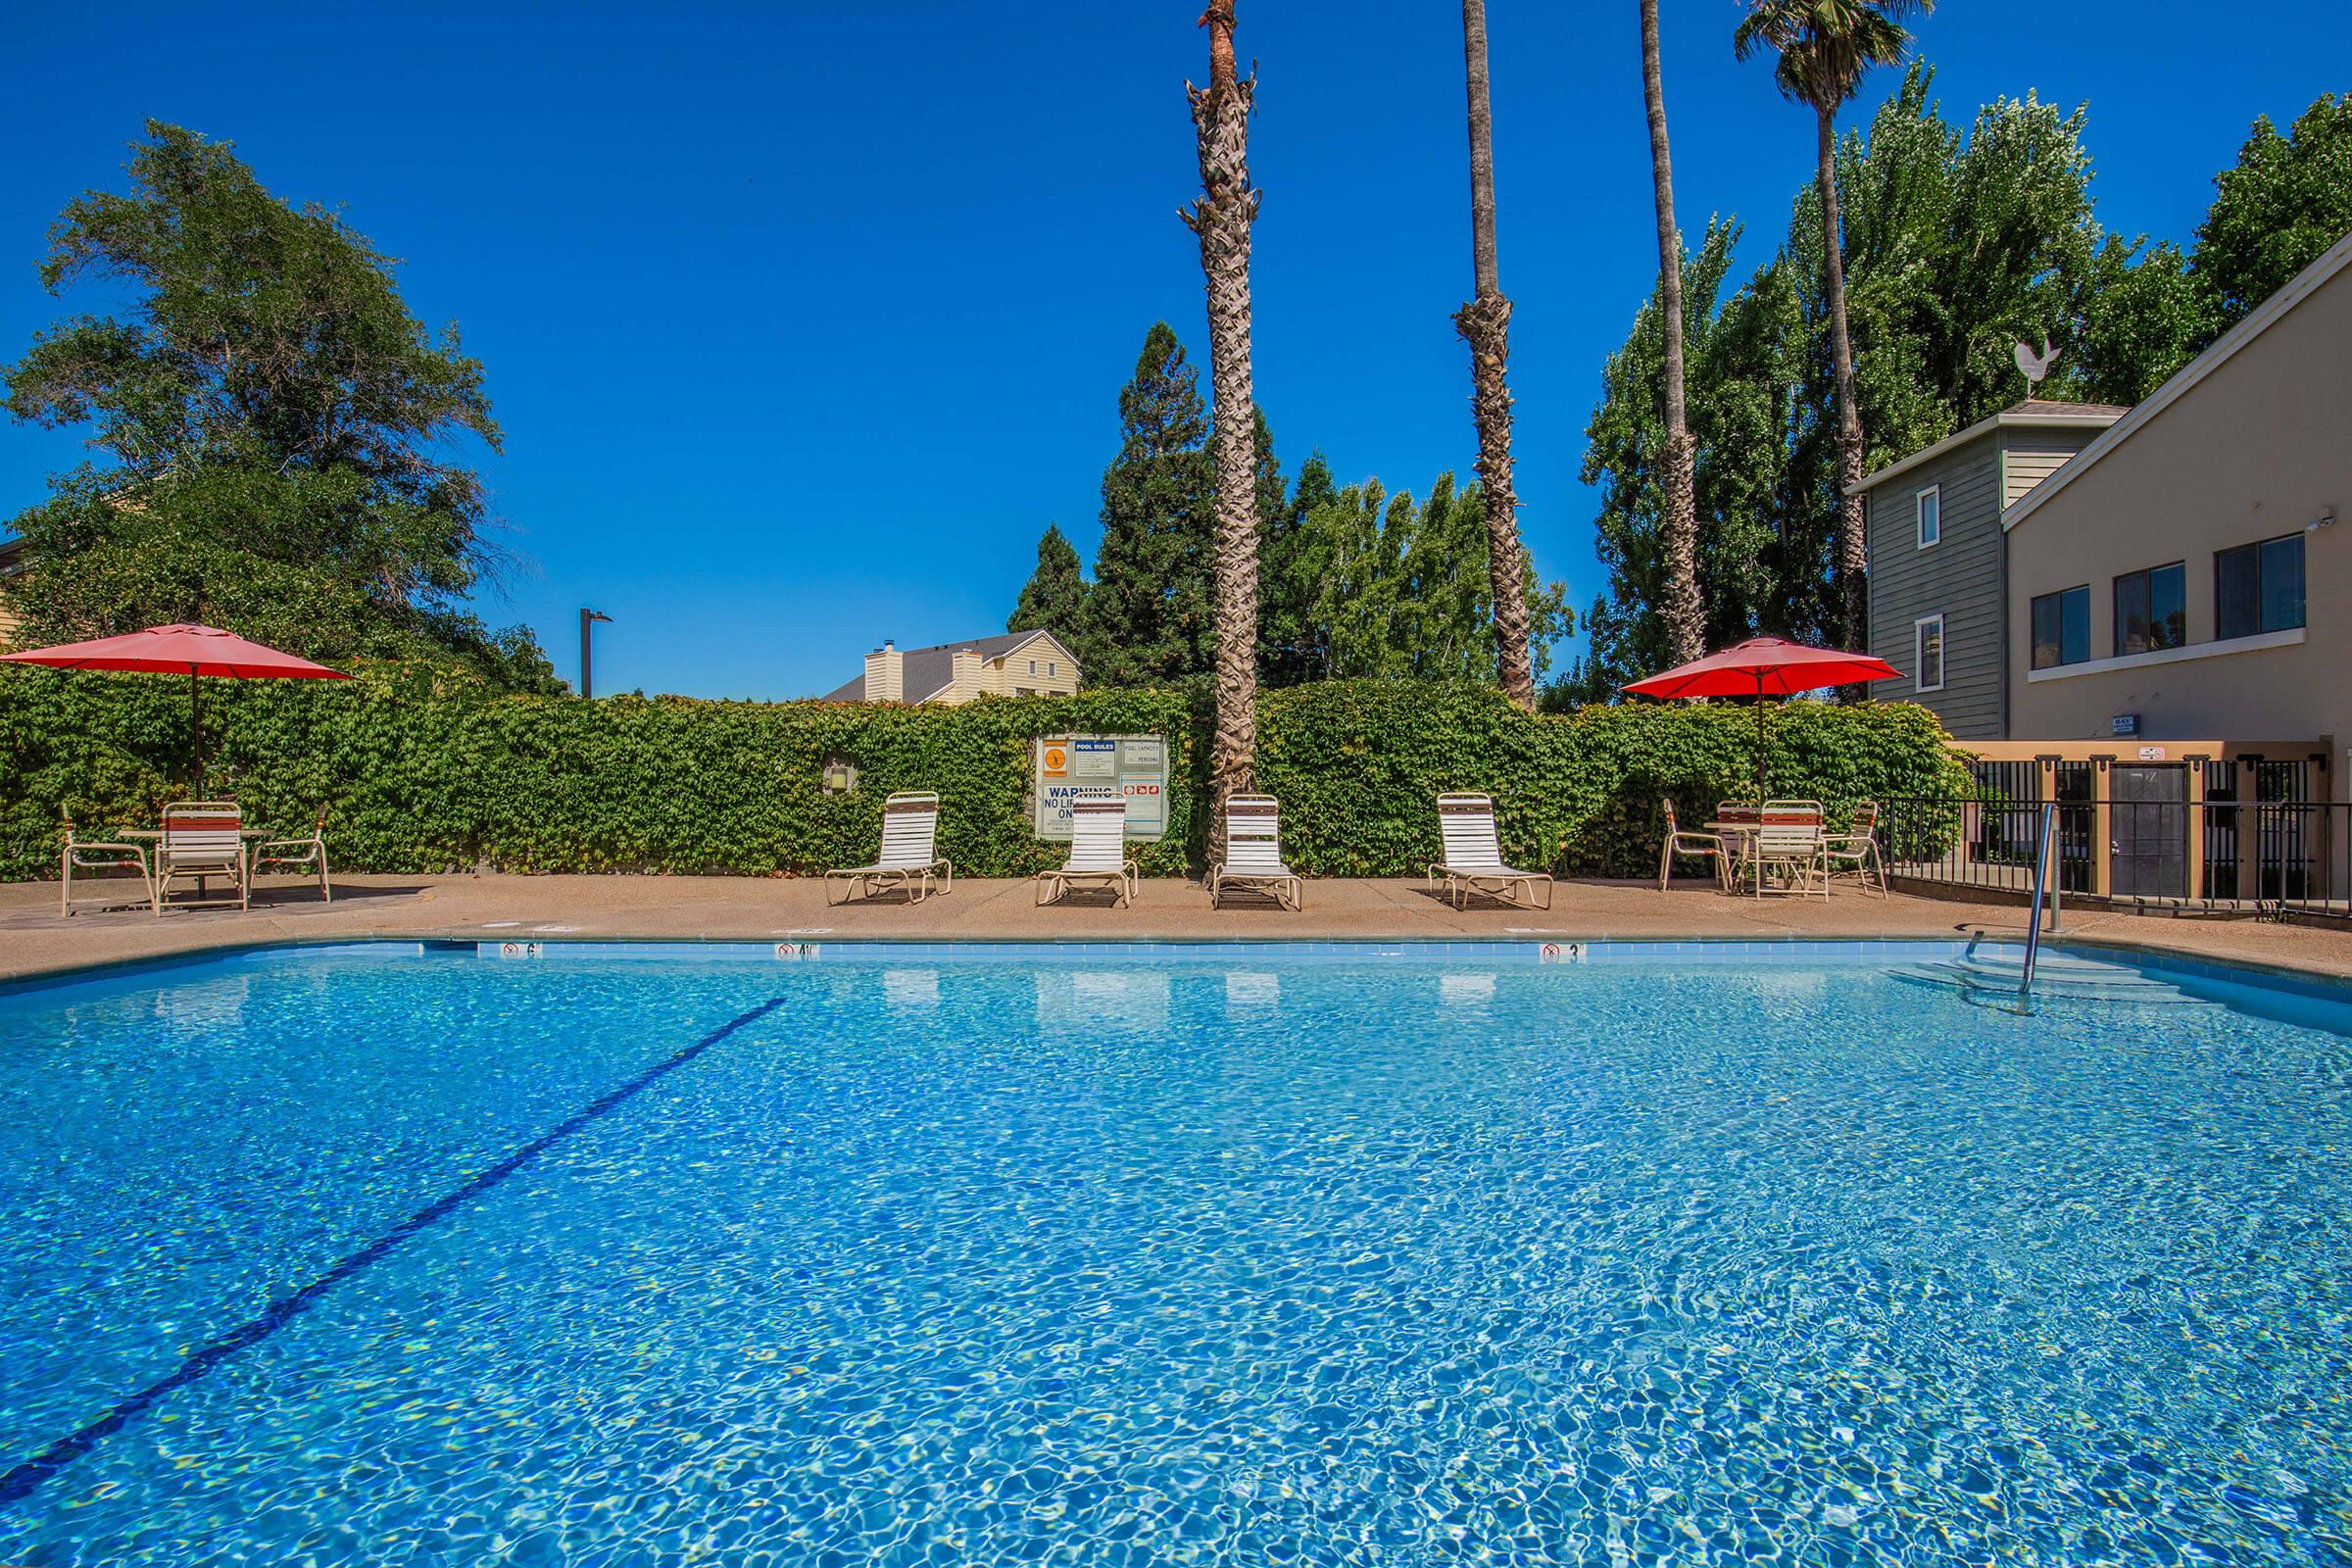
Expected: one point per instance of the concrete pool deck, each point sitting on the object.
(35, 940)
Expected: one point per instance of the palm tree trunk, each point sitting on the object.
(1852, 549)
(1485, 324)
(1221, 221)
(1686, 622)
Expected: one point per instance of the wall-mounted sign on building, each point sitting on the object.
(1136, 765)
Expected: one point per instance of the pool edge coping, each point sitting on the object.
(2309, 982)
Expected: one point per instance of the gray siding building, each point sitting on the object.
(1937, 569)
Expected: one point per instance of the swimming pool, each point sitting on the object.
(393, 1256)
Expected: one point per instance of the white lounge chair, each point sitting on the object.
(910, 857)
(1473, 861)
(201, 839)
(303, 856)
(1097, 850)
(91, 855)
(1254, 853)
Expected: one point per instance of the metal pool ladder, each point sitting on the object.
(2041, 871)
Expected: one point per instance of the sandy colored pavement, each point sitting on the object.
(35, 940)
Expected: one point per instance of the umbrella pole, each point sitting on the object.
(1759, 740)
(196, 722)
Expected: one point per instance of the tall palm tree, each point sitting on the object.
(1220, 219)
(1824, 48)
(1485, 324)
(1686, 624)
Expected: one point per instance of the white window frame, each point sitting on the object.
(1919, 516)
(1919, 658)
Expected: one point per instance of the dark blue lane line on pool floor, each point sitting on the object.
(24, 1479)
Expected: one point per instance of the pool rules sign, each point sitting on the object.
(1136, 765)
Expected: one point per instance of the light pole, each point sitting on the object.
(588, 618)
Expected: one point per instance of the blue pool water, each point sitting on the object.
(408, 1258)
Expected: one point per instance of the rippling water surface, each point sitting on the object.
(359, 1259)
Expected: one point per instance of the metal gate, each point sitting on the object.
(2147, 829)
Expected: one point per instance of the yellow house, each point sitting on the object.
(1018, 663)
(11, 561)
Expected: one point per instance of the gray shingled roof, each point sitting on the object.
(928, 669)
(2054, 407)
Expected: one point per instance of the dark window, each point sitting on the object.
(1927, 654)
(2062, 627)
(2258, 587)
(2152, 610)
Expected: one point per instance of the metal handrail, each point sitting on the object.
(2041, 871)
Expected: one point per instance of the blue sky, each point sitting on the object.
(804, 320)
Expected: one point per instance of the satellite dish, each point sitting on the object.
(2035, 366)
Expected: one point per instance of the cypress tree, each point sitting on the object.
(1053, 600)
(1148, 615)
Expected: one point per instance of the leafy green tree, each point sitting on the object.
(268, 420)
(2285, 202)
(1285, 598)
(1350, 582)
(1957, 247)
(1402, 589)
(1054, 598)
(1148, 612)
(2144, 320)
(1745, 355)
(1823, 48)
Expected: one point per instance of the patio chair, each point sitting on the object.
(1736, 822)
(92, 855)
(1473, 856)
(1855, 852)
(299, 856)
(1254, 853)
(1098, 851)
(910, 857)
(1789, 846)
(1680, 841)
(201, 839)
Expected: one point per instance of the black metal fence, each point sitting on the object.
(2264, 856)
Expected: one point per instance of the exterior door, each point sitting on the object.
(2148, 827)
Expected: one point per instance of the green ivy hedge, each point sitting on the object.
(424, 770)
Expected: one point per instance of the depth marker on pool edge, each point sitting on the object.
(22, 1480)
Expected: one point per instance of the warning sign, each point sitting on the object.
(1135, 766)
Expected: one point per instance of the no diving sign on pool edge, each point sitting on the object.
(1136, 765)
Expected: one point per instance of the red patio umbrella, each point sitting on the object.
(174, 650)
(1761, 667)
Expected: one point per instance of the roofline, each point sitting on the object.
(2007, 419)
(2298, 289)
(953, 649)
(967, 646)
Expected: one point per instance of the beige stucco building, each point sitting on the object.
(1019, 664)
(2155, 630)
(2188, 571)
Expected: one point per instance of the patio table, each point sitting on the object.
(1739, 835)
